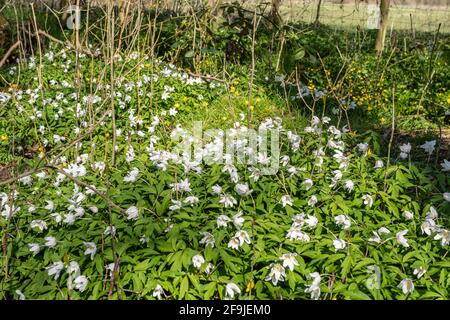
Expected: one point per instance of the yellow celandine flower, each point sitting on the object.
(41, 150)
(369, 152)
(250, 286)
(3, 137)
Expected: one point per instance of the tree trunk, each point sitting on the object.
(381, 34)
(316, 21)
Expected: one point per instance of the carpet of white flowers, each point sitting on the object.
(335, 222)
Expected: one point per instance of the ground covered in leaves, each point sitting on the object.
(97, 204)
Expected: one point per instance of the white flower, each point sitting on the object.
(222, 221)
(231, 289)
(428, 226)
(197, 261)
(284, 160)
(209, 267)
(75, 170)
(73, 268)
(383, 230)
(243, 237)
(444, 236)
(55, 269)
(57, 217)
(4, 97)
(144, 240)
(182, 186)
(191, 200)
(445, 165)
(408, 215)
(286, 200)
(379, 164)
(26, 181)
(400, 238)
(314, 288)
(35, 248)
(39, 224)
(21, 295)
(407, 286)
(110, 267)
(130, 155)
(277, 273)
(343, 220)
(109, 230)
(368, 200)
(432, 214)
(243, 189)
(348, 185)
(446, 196)
(419, 272)
(172, 111)
(50, 242)
(376, 239)
(208, 239)
(403, 155)
(308, 183)
(216, 189)
(238, 221)
(311, 221)
(234, 243)
(428, 146)
(295, 233)
(176, 205)
(132, 175)
(289, 260)
(91, 249)
(132, 213)
(81, 283)
(158, 291)
(406, 147)
(9, 211)
(99, 166)
(339, 244)
(41, 175)
(312, 201)
(50, 206)
(362, 147)
(227, 200)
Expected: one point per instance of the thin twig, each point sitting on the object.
(9, 52)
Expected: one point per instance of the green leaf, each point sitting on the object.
(189, 54)
(356, 295)
(346, 266)
(184, 287)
